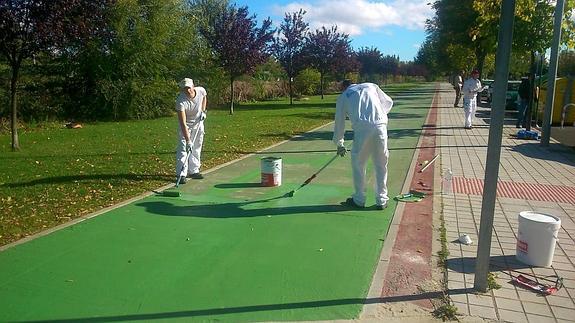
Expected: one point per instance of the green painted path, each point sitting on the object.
(226, 250)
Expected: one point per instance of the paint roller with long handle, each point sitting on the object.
(307, 181)
(187, 157)
(170, 193)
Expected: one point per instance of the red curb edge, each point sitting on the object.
(410, 261)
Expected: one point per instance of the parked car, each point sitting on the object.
(486, 94)
(511, 96)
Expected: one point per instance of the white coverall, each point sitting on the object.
(367, 107)
(470, 89)
(193, 111)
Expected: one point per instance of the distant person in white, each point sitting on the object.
(367, 107)
(471, 87)
(457, 84)
(191, 108)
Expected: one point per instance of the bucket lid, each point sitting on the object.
(271, 158)
(539, 217)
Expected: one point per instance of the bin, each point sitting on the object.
(271, 174)
(536, 239)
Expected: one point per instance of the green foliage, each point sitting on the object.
(519, 65)
(462, 57)
(492, 282)
(132, 75)
(307, 82)
(428, 56)
(446, 312)
(460, 29)
(62, 173)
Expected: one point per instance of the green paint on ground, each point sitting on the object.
(227, 249)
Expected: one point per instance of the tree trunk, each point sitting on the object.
(232, 95)
(14, 106)
(321, 85)
(290, 91)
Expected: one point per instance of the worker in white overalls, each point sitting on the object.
(471, 87)
(191, 108)
(367, 107)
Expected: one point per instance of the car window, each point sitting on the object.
(513, 86)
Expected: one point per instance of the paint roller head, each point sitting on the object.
(171, 193)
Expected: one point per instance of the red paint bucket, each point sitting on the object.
(271, 171)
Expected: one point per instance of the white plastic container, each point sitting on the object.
(271, 171)
(537, 238)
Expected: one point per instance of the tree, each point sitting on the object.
(370, 60)
(452, 26)
(238, 44)
(131, 74)
(328, 51)
(533, 31)
(427, 56)
(288, 45)
(389, 65)
(202, 14)
(28, 27)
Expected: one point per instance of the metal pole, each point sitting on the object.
(494, 144)
(552, 74)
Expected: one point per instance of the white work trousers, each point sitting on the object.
(370, 142)
(193, 163)
(469, 107)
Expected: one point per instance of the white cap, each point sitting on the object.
(186, 83)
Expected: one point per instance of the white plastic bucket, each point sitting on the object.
(537, 238)
(271, 171)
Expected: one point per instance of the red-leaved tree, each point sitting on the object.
(28, 27)
(329, 51)
(288, 45)
(239, 45)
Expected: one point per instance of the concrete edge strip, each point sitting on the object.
(143, 195)
(370, 310)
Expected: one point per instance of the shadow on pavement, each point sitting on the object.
(88, 178)
(260, 308)
(238, 209)
(466, 265)
(555, 152)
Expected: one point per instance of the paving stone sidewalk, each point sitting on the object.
(531, 178)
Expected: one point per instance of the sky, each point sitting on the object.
(395, 27)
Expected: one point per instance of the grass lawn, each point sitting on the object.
(61, 174)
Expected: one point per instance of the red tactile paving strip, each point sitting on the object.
(524, 191)
(410, 261)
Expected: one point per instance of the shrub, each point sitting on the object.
(307, 82)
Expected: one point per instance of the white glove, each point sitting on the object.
(341, 151)
(188, 147)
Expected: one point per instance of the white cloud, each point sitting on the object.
(355, 16)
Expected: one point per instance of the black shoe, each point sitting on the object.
(381, 207)
(182, 180)
(197, 176)
(351, 203)
(467, 127)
